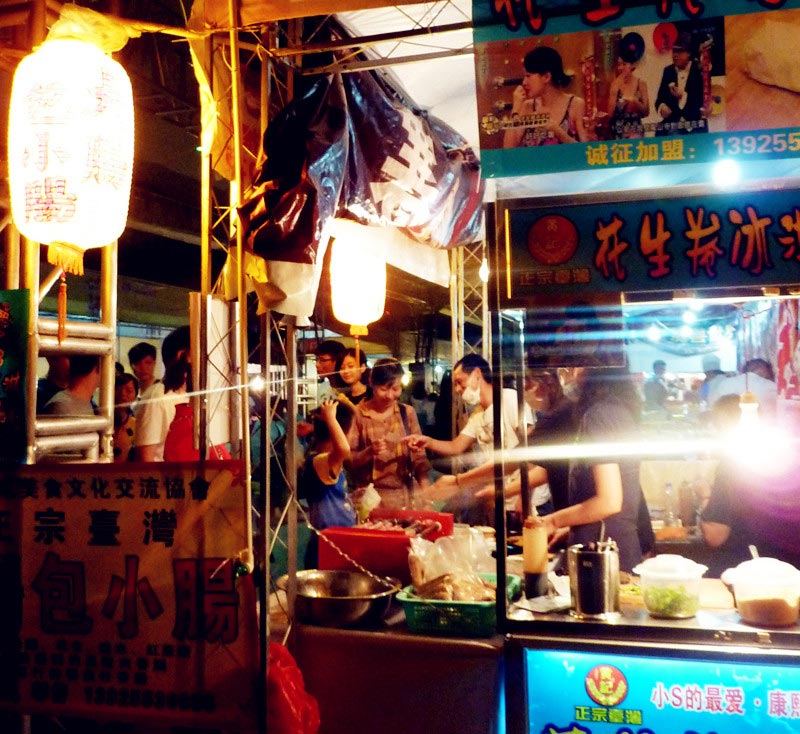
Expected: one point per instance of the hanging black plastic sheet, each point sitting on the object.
(347, 148)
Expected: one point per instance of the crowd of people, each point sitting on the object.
(367, 436)
(388, 453)
(152, 417)
(581, 499)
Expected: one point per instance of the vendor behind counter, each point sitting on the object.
(747, 497)
(690, 480)
(753, 505)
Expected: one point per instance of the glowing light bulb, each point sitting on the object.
(483, 272)
(257, 383)
(726, 173)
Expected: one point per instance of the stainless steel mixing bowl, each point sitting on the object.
(341, 598)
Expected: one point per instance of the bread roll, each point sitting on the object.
(769, 55)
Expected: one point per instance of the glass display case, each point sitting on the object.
(666, 420)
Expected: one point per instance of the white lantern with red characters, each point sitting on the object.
(70, 149)
(358, 275)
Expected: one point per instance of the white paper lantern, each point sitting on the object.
(358, 275)
(70, 149)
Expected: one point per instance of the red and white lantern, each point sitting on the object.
(70, 149)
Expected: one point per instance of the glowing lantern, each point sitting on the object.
(70, 149)
(358, 276)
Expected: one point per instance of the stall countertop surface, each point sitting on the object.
(717, 614)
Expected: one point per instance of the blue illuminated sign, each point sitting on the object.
(690, 242)
(596, 693)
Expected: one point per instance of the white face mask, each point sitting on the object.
(471, 395)
(572, 391)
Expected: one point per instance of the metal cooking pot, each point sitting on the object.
(341, 598)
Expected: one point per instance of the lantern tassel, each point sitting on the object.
(357, 331)
(66, 256)
(62, 309)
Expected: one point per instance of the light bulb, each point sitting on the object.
(726, 173)
(748, 404)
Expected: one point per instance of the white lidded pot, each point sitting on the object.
(766, 591)
(671, 585)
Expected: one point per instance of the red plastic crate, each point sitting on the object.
(383, 552)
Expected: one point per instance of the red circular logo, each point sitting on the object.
(606, 685)
(552, 239)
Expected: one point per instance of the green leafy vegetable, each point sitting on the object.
(670, 601)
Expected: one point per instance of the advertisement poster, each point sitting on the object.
(694, 242)
(13, 370)
(687, 87)
(121, 593)
(596, 693)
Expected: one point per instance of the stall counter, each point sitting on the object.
(392, 681)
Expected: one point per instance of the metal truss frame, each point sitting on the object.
(277, 49)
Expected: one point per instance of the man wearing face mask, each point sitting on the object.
(472, 380)
(552, 395)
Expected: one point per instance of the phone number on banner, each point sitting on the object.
(685, 148)
(690, 148)
(759, 143)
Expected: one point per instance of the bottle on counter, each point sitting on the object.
(671, 506)
(534, 556)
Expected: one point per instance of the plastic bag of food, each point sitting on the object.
(466, 552)
(366, 500)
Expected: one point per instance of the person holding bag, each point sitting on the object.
(379, 455)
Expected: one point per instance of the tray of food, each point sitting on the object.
(455, 604)
(381, 544)
(414, 523)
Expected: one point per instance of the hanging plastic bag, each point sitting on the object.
(290, 708)
(366, 500)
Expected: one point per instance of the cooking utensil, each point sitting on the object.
(339, 598)
(594, 580)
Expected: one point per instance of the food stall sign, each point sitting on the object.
(13, 371)
(551, 248)
(560, 16)
(121, 593)
(731, 93)
(593, 692)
